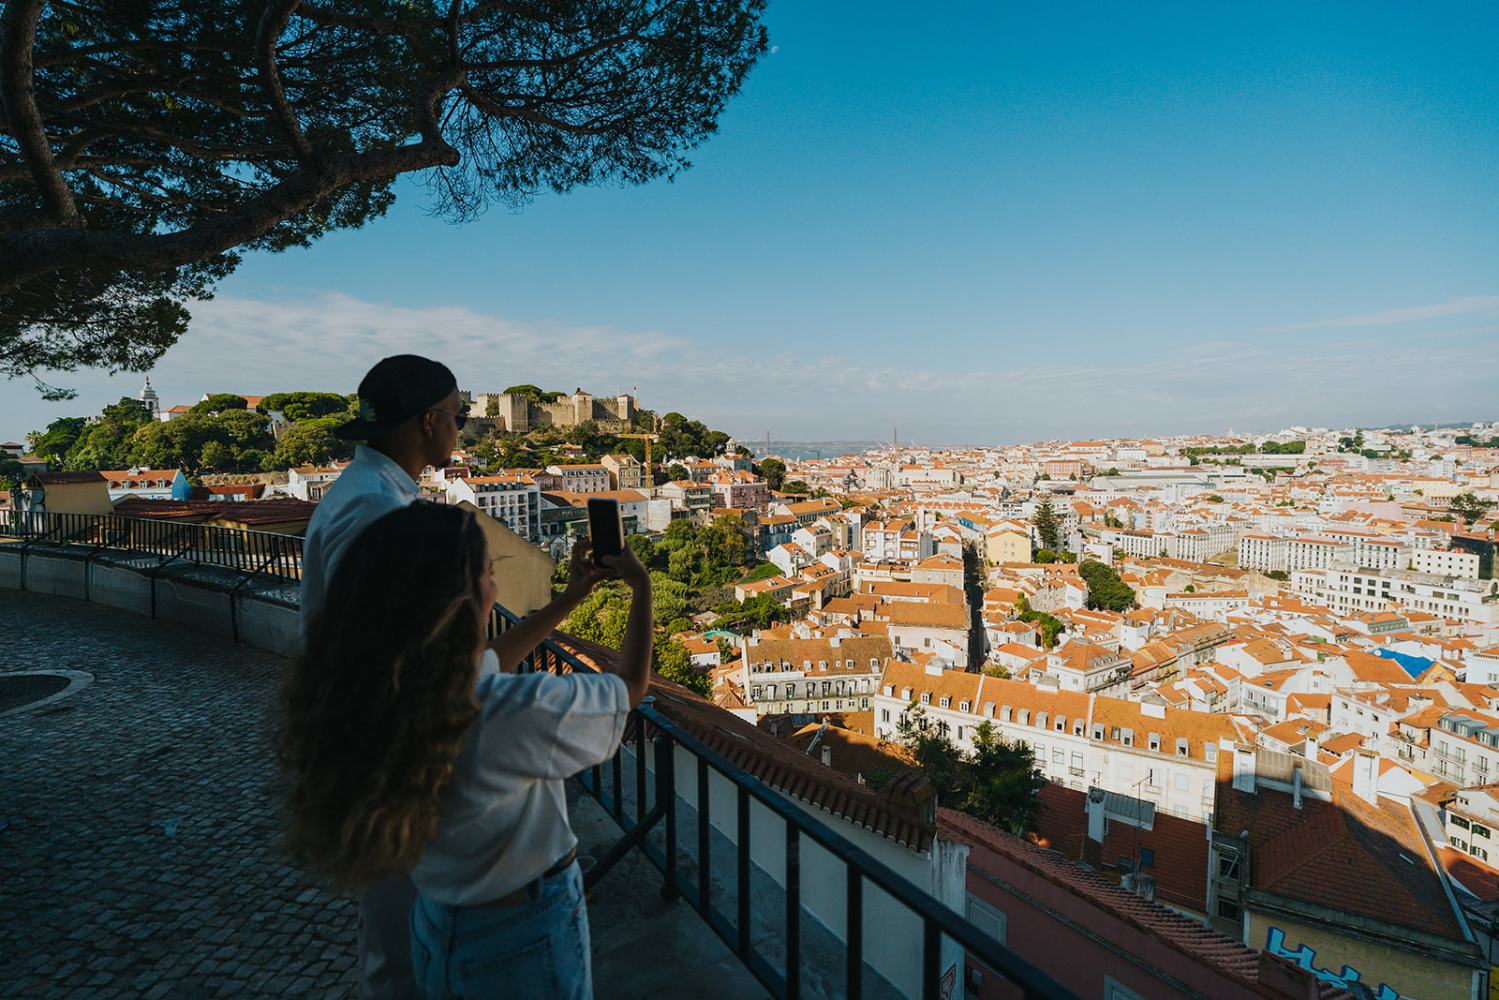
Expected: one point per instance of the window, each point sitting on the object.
(1147, 857)
(1480, 853)
(1210, 751)
(926, 698)
(1155, 741)
(1059, 757)
(1077, 763)
(1459, 822)
(1098, 730)
(1127, 737)
(1480, 831)
(1228, 867)
(1041, 719)
(945, 702)
(1181, 748)
(962, 706)
(884, 715)
(987, 918)
(1229, 911)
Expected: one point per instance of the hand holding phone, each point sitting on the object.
(606, 527)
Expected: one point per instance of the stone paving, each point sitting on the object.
(138, 837)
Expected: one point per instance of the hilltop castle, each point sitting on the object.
(521, 413)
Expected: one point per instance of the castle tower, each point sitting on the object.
(149, 397)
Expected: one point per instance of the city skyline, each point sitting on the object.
(1016, 227)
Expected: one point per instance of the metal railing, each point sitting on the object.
(240, 550)
(666, 737)
(253, 553)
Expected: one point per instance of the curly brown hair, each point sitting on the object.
(376, 707)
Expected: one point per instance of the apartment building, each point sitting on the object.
(804, 677)
(576, 478)
(1264, 553)
(1163, 755)
(1349, 590)
(625, 472)
(1446, 562)
(738, 489)
(310, 482)
(513, 499)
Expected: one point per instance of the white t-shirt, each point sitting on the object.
(369, 488)
(503, 819)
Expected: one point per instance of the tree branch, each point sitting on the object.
(29, 255)
(18, 24)
(272, 23)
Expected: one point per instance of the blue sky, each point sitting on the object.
(985, 223)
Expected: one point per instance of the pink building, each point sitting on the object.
(1098, 938)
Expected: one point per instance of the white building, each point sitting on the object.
(1446, 562)
(1165, 756)
(805, 677)
(513, 499)
(1349, 589)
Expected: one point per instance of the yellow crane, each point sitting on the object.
(647, 438)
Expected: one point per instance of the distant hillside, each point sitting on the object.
(810, 449)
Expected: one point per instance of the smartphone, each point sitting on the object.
(606, 527)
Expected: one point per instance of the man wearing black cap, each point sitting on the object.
(409, 417)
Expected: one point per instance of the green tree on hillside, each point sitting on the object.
(107, 443)
(218, 403)
(57, 439)
(310, 442)
(1105, 590)
(1469, 507)
(1048, 528)
(298, 406)
(998, 782)
(773, 471)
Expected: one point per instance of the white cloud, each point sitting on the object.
(826, 390)
(1464, 306)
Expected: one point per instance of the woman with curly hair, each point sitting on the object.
(409, 751)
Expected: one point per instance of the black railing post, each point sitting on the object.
(702, 836)
(666, 795)
(793, 913)
(854, 934)
(743, 874)
(931, 959)
(639, 767)
(617, 777)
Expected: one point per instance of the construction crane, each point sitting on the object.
(647, 438)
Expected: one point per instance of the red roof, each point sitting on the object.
(251, 512)
(1347, 854)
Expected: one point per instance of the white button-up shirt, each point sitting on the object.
(503, 818)
(372, 486)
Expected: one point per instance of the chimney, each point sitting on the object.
(1096, 825)
(1310, 748)
(1366, 775)
(1243, 768)
(1296, 786)
(827, 755)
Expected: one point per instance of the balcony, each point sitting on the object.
(150, 795)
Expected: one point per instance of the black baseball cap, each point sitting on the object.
(395, 390)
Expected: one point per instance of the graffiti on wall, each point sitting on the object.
(1305, 957)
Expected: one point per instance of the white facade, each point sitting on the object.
(1446, 562)
(515, 500)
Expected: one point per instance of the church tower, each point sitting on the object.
(148, 396)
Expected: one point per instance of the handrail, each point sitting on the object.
(937, 919)
(245, 550)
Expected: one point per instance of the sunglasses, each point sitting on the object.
(460, 417)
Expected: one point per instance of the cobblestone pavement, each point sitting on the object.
(138, 838)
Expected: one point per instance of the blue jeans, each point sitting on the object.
(537, 948)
